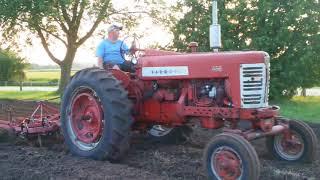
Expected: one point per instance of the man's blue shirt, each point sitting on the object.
(110, 52)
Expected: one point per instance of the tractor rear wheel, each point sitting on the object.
(169, 135)
(230, 156)
(96, 115)
(298, 145)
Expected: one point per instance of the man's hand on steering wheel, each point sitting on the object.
(132, 52)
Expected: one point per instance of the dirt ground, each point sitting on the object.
(145, 160)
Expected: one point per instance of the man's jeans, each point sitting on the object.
(126, 66)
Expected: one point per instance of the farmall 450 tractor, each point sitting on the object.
(169, 91)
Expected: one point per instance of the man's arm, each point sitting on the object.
(100, 53)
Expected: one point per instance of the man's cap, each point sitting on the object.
(114, 27)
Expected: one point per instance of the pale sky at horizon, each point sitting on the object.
(86, 53)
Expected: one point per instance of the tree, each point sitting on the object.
(6, 66)
(11, 66)
(53, 21)
(288, 30)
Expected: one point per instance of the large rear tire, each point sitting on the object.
(96, 115)
(230, 156)
(299, 146)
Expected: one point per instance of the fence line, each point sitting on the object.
(28, 83)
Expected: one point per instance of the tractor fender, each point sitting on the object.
(122, 76)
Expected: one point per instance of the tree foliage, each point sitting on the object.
(11, 66)
(288, 30)
(56, 22)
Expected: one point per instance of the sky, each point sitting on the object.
(153, 34)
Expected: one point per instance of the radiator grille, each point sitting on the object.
(253, 83)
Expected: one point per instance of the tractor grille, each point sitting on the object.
(254, 85)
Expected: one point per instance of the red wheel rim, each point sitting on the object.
(86, 117)
(292, 144)
(289, 145)
(226, 164)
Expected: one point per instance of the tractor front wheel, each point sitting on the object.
(95, 115)
(230, 156)
(299, 144)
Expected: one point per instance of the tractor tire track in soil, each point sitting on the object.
(145, 160)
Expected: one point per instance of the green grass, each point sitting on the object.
(28, 95)
(301, 108)
(44, 76)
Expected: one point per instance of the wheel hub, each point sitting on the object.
(292, 143)
(226, 164)
(86, 118)
(289, 145)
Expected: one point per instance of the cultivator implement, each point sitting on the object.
(44, 120)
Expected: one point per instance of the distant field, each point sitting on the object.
(44, 76)
(303, 108)
(28, 95)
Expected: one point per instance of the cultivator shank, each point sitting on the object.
(44, 120)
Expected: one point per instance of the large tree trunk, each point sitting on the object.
(65, 67)
(64, 76)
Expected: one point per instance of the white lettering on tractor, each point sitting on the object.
(217, 68)
(165, 71)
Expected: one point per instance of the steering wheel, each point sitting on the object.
(133, 52)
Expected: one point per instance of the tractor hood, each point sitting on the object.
(196, 65)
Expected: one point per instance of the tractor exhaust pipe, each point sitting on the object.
(215, 29)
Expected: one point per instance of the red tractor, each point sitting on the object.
(169, 91)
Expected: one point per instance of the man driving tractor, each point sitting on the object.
(110, 51)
